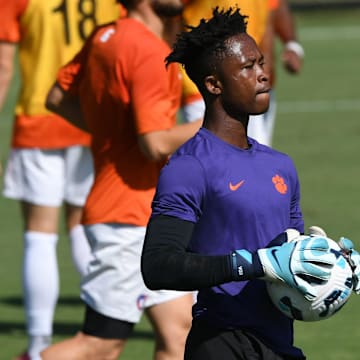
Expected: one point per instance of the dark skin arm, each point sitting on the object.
(65, 105)
(285, 29)
(156, 145)
(7, 55)
(267, 46)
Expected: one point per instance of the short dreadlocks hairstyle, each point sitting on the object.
(202, 46)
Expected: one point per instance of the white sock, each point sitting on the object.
(38, 357)
(80, 249)
(37, 344)
(40, 286)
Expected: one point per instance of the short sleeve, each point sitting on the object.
(273, 4)
(11, 11)
(180, 190)
(155, 93)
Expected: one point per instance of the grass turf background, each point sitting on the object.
(317, 124)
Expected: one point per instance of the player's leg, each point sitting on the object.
(171, 321)
(112, 290)
(79, 179)
(102, 338)
(35, 178)
(80, 248)
(40, 276)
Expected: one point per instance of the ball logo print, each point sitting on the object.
(331, 295)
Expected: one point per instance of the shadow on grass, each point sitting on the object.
(63, 301)
(63, 329)
(60, 328)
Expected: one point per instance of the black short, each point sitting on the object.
(96, 324)
(205, 342)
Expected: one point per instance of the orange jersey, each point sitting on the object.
(48, 33)
(125, 91)
(274, 4)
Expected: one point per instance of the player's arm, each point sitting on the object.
(66, 105)
(7, 57)
(62, 97)
(267, 46)
(157, 145)
(155, 97)
(166, 263)
(285, 29)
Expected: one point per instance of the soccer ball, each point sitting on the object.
(331, 297)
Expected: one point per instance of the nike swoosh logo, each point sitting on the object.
(236, 186)
(273, 253)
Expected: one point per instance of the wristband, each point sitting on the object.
(245, 265)
(295, 47)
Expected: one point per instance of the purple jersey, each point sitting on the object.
(238, 199)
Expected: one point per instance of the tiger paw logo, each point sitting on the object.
(279, 184)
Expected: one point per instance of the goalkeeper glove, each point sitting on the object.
(353, 258)
(298, 262)
(350, 254)
(317, 231)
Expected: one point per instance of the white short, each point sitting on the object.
(114, 286)
(49, 177)
(261, 127)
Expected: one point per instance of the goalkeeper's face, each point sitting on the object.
(243, 83)
(167, 8)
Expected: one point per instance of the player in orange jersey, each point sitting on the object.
(282, 26)
(118, 88)
(268, 19)
(50, 162)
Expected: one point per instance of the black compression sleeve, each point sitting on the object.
(166, 263)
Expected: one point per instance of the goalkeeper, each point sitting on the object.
(220, 200)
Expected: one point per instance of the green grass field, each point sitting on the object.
(317, 124)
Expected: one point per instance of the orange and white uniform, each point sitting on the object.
(118, 105)
(50, 161)
(48, 34)
(125, 91)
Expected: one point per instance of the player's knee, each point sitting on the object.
(97, 348)
(106, 336)
(172, 340)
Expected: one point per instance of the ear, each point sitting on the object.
(213, 85)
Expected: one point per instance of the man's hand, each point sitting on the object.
(299, 263)
(348, 251)
(292, 57)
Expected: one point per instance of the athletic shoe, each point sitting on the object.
(24, 356)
